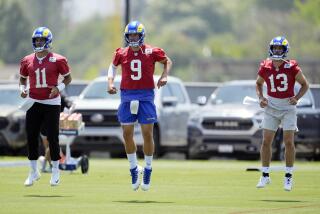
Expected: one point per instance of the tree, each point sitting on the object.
(15, 32)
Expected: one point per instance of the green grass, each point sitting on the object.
(177, 187)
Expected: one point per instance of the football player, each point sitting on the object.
(280, 75)
(137, 62)
(43, 68)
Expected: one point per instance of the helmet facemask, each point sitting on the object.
(137, 28)
(45, 33)
(278, 48)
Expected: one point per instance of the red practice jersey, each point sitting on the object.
(280, 83)
(138, 67)
(43, 74)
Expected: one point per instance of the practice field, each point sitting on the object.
(213, 186)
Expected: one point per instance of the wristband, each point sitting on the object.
(61, 86)
(22, 88)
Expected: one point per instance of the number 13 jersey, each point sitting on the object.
(138, 66)
(280, 82)
(43, 74)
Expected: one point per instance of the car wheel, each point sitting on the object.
(84, 164)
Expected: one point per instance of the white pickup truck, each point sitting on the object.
(103, 131)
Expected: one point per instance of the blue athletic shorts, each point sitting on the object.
(146, 113)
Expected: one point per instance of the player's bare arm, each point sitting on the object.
(111, 74)
(259, 89)
(300, 78)
(167, 64)
(23, 91)
(56, 89)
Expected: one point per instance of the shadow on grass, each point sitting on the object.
(48, 196)
(144, 202)
(283, 201)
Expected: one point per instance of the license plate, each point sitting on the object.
(225, 148)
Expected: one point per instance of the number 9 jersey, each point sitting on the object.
(43, 74)
(280, 82)
(138, 66)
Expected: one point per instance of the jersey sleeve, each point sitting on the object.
(23, 68)
(64, 69)
(261, 69)
(159, 54)
(295, 67)
(117, 57)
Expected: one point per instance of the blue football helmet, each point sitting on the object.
(133, 28)
(42, 32)
(279, 41)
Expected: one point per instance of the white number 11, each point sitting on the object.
(41, 74)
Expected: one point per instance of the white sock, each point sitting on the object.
(132, 158)
(33, 165)
(55, 165)
(289, 170)
(265, 169)
(148, 160)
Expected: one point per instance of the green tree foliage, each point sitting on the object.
(14, 28)
(46, 13)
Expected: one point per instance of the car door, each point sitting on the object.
(182, 112)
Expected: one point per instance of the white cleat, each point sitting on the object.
(264, 180)
(136, 177)
(55, 177)
(145, 186)
(32, 177)
(288, 183)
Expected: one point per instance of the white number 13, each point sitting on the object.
(284, 82)
(135, 66)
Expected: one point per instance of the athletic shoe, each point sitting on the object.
(32, 177)
(146, 179)
(264, 180)
(288, 183)
(55, 177)
(136, 177)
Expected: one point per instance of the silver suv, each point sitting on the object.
(12, 120)
(225, 126)
(103, 131)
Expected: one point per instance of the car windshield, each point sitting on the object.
(98, 90)
(74, 89)
(10, 97)
(232, 94)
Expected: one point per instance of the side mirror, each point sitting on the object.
(169, 101)
(201, 100)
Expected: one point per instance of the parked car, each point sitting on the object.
(199, 92)
(103, 131)
(74, 89)
(12, 120)
(225, 126)
(315, 89)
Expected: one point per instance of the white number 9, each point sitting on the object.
(135, 66)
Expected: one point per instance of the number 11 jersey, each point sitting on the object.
(43, 74)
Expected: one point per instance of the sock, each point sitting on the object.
(55, 165)
(132, 158)
(265, 171)
(289, 171)
(33, 165)
(148, 160)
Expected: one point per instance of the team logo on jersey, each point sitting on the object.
(52, 59)
(148, 51)
(287, 65)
